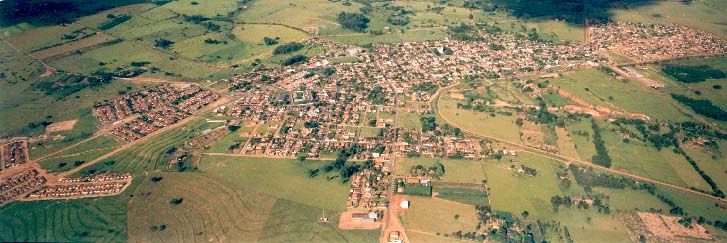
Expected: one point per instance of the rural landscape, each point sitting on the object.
(393, 121)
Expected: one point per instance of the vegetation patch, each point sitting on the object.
(463, 195)
(702, 107)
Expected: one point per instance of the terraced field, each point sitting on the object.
(211, 210)
(91, 220)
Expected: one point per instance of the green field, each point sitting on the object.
(501, 126)
(43, 37)
(466, 171)
(124, 53)
(408, 120)
(631, 96)
(462, 195)
(700, 90)
(84, 152)
(68, 47)
(279, 177)
(210, 209)
(438, 216)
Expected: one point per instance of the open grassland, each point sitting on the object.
(643, 159)
(589, 226)
(122, 54)
(462, 195)
(501, 126)
(516, 194)
(68, 47)
(282, 178)
(210, 210)
(41, 37)
(311, 15)
(695, 206)
(21, 104)
(207, 8)
(417, 236)
(707, 14)
(596, 87)
(295, 222)
(467, 171)
(635, 156)
(150, 29)
(223, 145)
(566, 146)
(628, 199)
(84, 152)
(438, 216)
(715, 167)
(83, 220)
(95, 20)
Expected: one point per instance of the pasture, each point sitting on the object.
(701, 90)
(281, 178)
(462, 195)
(85, 43)
(44, 37)
(313, 16)
(84, 152)
(122, 54)
(466, 171)
(21, 103)
(500, 126)
(290, 221)
(597, 88)
(210, 210)
(438, 216)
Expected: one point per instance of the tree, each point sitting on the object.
(163, 43)
(270, 41)
(353, 21)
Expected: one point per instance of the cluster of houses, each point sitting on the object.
(14, 154)
(17, 185)
(646, 42)
(369, 187)
(96, 178)
(75, 190)
(152, 109)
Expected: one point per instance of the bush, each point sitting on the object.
(295, 60)
(702, 107)
(691, 74)
(288, 48)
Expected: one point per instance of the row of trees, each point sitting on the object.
(702, 107)
(601, 157)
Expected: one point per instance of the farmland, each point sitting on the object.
(438, 216)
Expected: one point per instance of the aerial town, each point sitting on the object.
(378, 141)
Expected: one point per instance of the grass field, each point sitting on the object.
(566, 146)
(462, 195)
(37, 38)
(715, 167)
(210, 210)
(124, 53)
(83, 152)
(631, 96)
(636, 157)
(281, 178)
(207, 8)
(21, 104)
(312, 15)
(438, 216)
(408, 120)
(468, 171)
(500, 126)
(68, 47)
(295, 222)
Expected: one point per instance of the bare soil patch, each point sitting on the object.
(61, 126)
